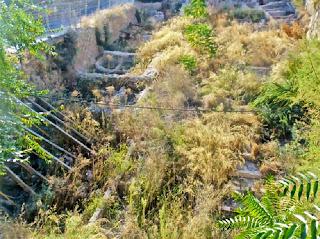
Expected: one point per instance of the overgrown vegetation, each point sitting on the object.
(18, 37)
(165, 169)
(196, 9)
(289, 104)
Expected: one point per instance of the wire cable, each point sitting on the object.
(121, 106)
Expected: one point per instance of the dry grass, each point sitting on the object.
(229, 88)
(213, 146)
(242, 44)
(173, 88)
(14, 231)
(294, 30)
(172, 170)
(166, 46)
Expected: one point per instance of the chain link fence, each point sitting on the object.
(65, 14)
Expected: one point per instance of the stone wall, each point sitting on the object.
(77, 49)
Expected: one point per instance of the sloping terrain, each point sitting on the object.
(159, 136)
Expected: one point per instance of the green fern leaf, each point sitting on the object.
(303, 226)
(256, 210)
(290, 231)
(313, 225)
(315, 184)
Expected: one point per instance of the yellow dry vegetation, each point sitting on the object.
(170, 170)
(166, 46)
(245, 44)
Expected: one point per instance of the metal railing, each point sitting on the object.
(62, 15)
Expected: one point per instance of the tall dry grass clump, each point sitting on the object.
(229, 88)
(244, 44)
(166, 47)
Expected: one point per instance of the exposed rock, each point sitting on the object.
(99, 212)
(87, 49)
(281, 10)
(314, 26)
(309, 6)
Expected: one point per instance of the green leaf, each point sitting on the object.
(303, 226)
(313, 225)
(290, 231)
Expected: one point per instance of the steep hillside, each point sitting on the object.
(177, 115)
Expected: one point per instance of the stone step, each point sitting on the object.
(287, 18)
(271, 1)
(274, 5)
(248, 174)
(278, 13)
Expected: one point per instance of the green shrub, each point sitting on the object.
(197, 9)
(189, 62)
(201, 36)
(247, 14)
(296, 95)
(278, 110)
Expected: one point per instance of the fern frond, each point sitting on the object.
(240, 222)
(256, 209)
(300, 186)
(271, 199)
(249, 233)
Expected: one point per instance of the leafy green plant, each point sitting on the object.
(189, 62)
(294, 98)
(278, 213)
(19, 31)
(201, 36)
(196, 8)
(277, 108)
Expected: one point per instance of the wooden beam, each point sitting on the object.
(7, 198)
(19, 181)
(62, 116)
(56, 159)
(60, 121)
(58, 128)
(31, 170)
(49, 142)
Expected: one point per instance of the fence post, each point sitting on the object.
(86, 8)
(47, 20)
(70, 15)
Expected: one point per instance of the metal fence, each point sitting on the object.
(61, 15)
